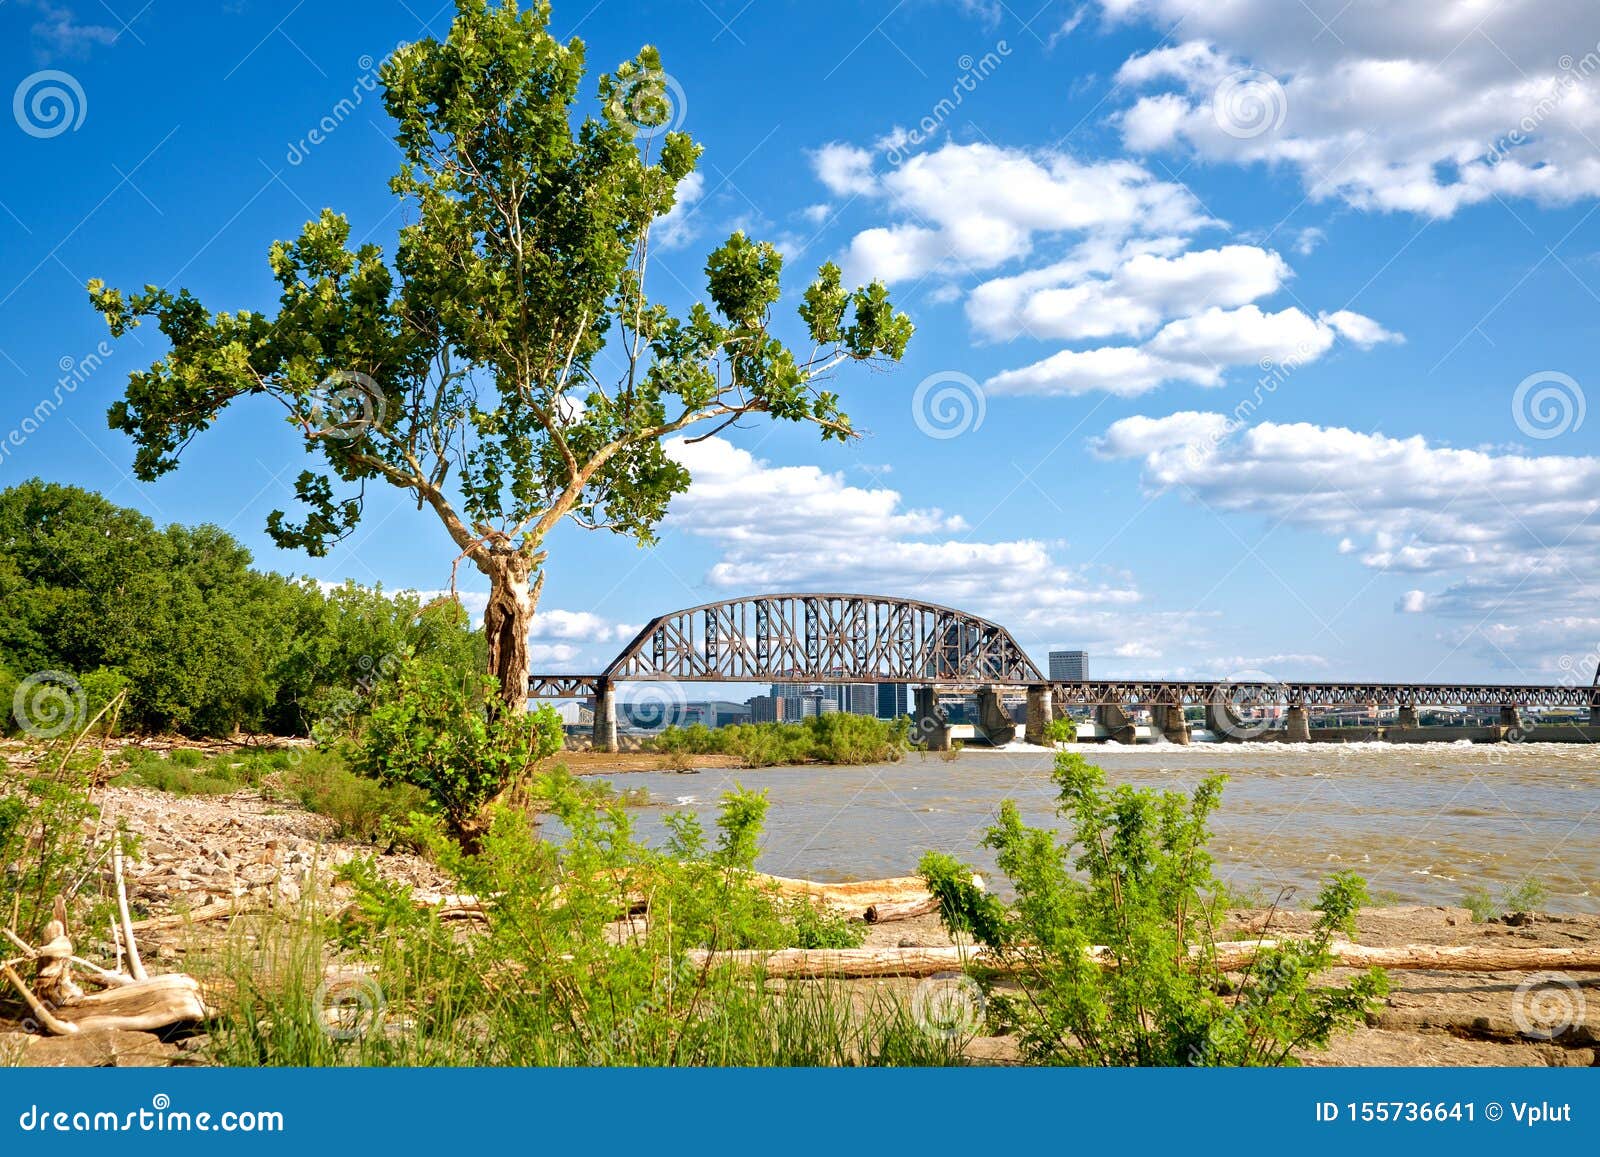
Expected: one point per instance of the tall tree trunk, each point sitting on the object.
(507, 618)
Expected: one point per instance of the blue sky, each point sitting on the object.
(1253, 337)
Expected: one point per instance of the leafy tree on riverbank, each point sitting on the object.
(204, 643)
(505, 366)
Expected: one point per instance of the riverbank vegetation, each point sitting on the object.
(596, 948)
(1113, 937)
(100, 599)
(834, 738)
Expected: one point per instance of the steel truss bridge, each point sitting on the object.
(838, 638)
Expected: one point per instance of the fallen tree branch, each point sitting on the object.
(875, 901)
(132, 1001)
(212, 910)
(860, 963)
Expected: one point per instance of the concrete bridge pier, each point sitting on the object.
(1407, 717)
(1169, 721)
(605, 716)
(1041, 713)
(1115, 720)
(993, 717)
(1594, 715)
(933, 728)
(1298, 728)
(1222, 722)
(1511, 723)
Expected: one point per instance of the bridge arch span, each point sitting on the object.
(823, 638)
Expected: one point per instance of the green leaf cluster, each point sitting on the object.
(504, 362)
(1114, 933)
(442, 730)
(204, 643)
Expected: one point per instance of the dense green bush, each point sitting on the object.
(1135, 881)
(833, 738)
(204, 644)
(437, 729)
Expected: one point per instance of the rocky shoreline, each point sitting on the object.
(250, 852)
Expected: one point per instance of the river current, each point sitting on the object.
(1423, 823)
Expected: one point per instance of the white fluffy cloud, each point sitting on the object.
(676, 228)
(584, 626)
(1132, 298)
(802, 528)
(967, 207)
(1421, 107)
(1130, 270)
(1510, 541)
(1198, 349)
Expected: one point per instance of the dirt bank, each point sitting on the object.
(206, 852)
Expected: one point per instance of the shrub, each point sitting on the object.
(1135, 882)
(360, 808)
(834, 738)
(1063, 730)
(437, 729)
(1528, 896)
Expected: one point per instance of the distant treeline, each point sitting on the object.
(205, 644)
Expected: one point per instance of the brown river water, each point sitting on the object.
(1423, 823)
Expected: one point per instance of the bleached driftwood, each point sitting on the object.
(857, 963)
(133, 1000)
(213, 910)
(875, 901)
(900, 910)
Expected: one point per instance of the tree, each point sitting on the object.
(508, 369)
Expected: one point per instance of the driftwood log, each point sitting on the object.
(859, 963)
(875, 901)
(132, 1000)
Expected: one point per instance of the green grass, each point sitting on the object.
(405, 1007)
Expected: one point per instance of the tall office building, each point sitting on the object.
(794, 700)
(859, 698)
(894, 700)
(1069, 666)
(766, 709)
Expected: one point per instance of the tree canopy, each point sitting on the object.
(505, 364)
(204, 643)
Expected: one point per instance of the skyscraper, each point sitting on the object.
(1069, 666)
